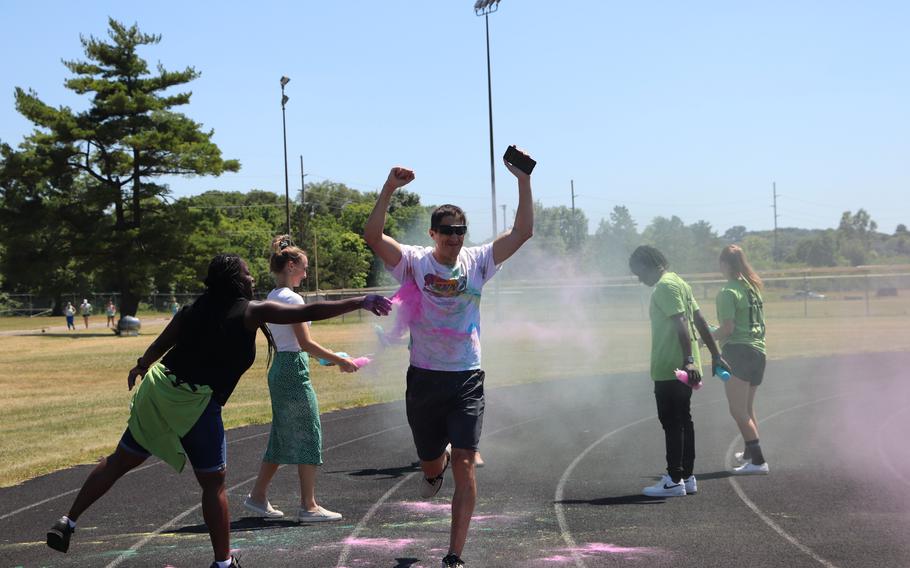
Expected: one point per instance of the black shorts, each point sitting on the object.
(747, 362)
(444, 407)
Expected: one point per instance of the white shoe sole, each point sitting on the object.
(264, 513)
(741, 471)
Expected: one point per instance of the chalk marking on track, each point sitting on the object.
(560, 486)
(133, 549)
(755, 509)
(346, 551)
(157, 462)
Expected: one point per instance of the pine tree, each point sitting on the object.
(128, 138)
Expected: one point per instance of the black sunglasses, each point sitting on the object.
(452, 229)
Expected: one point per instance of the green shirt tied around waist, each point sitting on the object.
(162, 412)
(671, 296)
(740, 302)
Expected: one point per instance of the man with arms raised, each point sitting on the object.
(445, 400)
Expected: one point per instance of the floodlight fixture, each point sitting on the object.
(284, 81)
(484, 7)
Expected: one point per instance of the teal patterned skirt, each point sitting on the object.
(296, 436)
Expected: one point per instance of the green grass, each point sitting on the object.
(73, 384)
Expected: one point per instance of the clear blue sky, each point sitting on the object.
(690, 109)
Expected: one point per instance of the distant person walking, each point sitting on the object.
(174, 307)
(70, 312)
(445, 394)
(111, 310)
(675, 318)
(85, 309)
(741, 315)
(175, 413)
(296, 434)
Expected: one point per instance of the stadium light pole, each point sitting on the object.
(284, 135)
(485, 8)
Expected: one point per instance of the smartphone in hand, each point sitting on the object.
(519, 160)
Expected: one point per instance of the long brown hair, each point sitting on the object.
(734, 257)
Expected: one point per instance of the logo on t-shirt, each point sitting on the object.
(444, 287)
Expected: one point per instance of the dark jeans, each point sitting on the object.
(673, 399)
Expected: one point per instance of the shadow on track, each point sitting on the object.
(382, 473)
(637, 499)
(242, 524)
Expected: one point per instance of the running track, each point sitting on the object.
(566, 462)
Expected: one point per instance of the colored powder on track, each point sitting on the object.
(599, 548)
(427, 508)
(391, 544)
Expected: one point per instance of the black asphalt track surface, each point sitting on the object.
(566, 462)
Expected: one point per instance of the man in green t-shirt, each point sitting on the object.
(675, 318)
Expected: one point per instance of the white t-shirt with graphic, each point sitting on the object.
(285, 339)
(446, 334)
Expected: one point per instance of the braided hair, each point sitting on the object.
(647, 256)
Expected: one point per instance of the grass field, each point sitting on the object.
(65, 399)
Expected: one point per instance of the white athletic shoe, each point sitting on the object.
(666, 487)
(749, 468)
(428, 488)
(691, 485)
(266, 512)
(321, 515)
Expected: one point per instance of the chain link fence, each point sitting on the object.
(848, 292)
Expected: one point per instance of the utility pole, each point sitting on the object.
(302, 200)
(775, 254)
(574, 227)
(504, 224)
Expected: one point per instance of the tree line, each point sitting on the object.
(82, 206)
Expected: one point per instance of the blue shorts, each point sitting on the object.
(205, 444)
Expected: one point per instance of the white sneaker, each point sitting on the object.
(320, 515)
(740, 457)
(666, 487)
(428, 488)
(266, 512)
(749, 468)
(691, 485)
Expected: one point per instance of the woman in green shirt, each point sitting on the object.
(742, 334)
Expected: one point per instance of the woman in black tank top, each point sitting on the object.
(210, 343)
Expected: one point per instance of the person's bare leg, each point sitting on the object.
(102, 478)
(307, 473)
(464, 499)
(738, 399)
(751, 407)
(215, 512)
(433, 468)
(260, 491)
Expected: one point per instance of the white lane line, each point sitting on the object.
(560, 486)
(157, 462)
(361, 525)
(755, 509)
(125, 555)
(883, 455)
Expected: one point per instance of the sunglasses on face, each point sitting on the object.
(452, 229)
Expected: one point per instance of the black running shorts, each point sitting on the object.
(444, 407)
(748, 363)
